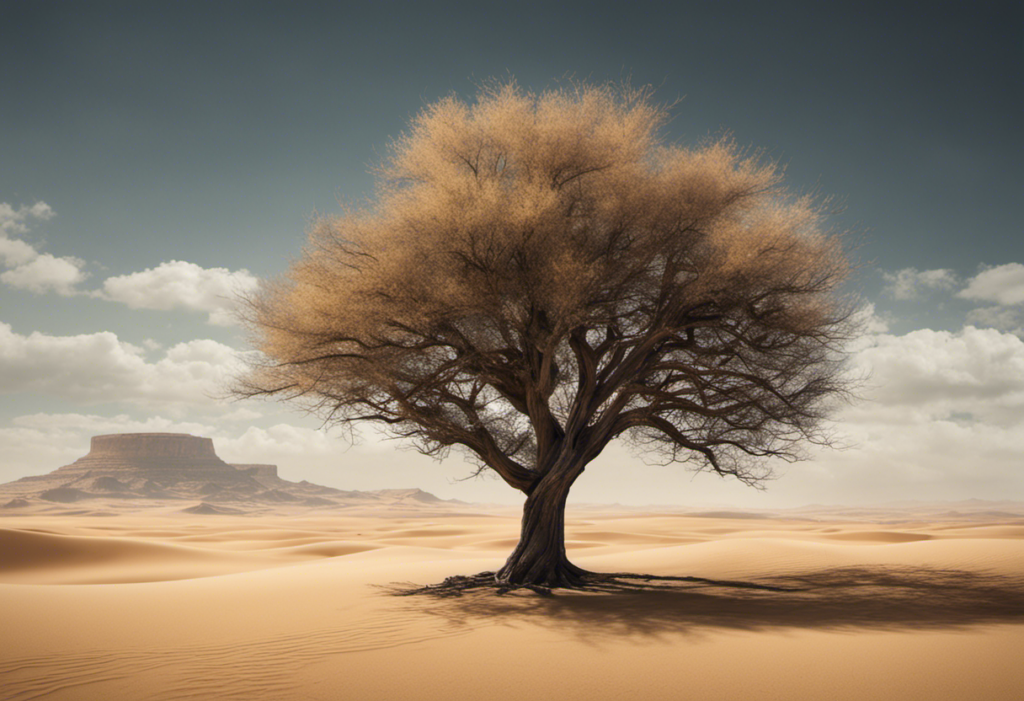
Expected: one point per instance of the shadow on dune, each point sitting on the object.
(886, 598)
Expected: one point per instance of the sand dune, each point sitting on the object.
(176, 606)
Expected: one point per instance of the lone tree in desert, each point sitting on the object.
(542, 274)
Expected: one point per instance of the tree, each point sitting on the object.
(542, 274)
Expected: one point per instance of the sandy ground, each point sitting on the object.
(173, 606)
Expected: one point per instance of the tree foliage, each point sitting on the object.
(544, 273)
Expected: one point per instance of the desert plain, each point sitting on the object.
(114, 603)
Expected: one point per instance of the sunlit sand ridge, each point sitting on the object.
(173, 606)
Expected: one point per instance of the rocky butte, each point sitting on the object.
(179, 466)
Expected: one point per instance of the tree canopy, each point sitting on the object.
(542, 273)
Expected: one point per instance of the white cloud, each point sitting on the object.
(1003, 318)
(29, 269)
(172, 285)
(14, 221)
(14, 252)
(281, 443)
(942, 418)
(181, 285)
(870, 321)
(99, 367)
(940, 374)
(47, 273)
(241, 414)
(911, 283)
(95, 425)
(1002, 284)
(900, 456)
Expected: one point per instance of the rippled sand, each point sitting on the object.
(174, 606)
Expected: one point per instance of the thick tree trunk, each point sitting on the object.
(539, 558)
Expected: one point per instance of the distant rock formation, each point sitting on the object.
(264, 474)
(142, 467)
(147, 465)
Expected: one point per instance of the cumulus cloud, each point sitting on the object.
(911, 283)
(99, 367)
(1002, 284)
(942, 417)
(939, 374)
(46, 273)
(28, 269)
(14, 252)
(181, 285)
(15, 221)
(870, 321)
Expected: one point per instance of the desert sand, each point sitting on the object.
(161, 604)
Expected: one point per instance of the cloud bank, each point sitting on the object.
(100, 368)
(938, 374)
(942, 417)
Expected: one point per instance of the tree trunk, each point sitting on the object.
(539, 558)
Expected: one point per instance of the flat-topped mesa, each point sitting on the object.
(153, 445)
(164, 457)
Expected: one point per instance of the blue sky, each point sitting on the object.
(156, 156)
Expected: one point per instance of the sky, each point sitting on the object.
(156, 158)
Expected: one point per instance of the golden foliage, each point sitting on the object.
(542, 272)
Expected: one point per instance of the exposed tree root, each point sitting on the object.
(612, 582)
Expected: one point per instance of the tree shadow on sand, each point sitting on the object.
(885, 598)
